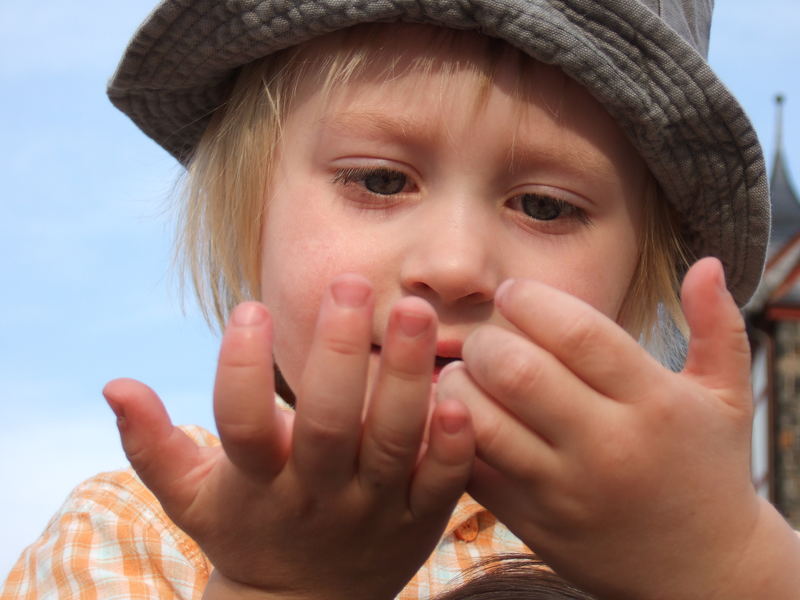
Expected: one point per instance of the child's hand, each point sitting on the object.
(629, 479)
(334, 501)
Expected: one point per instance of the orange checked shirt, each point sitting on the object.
(111, 539)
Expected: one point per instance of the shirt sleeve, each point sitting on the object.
(110, 539)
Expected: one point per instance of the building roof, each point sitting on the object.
(780, 286)
(785, 203)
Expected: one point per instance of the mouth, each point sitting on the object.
(440, 362)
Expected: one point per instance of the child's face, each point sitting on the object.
(426, 192)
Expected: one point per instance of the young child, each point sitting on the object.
(449, 224)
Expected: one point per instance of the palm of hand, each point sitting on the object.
(334, 501)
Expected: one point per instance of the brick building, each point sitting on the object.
(773, 317)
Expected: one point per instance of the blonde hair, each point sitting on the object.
(220, 225)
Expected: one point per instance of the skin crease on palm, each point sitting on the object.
(458, 222)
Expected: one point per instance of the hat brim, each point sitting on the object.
(690, 130)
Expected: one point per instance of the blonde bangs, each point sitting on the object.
(225, 195)
(225, 198)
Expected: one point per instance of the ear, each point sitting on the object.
(719, 351)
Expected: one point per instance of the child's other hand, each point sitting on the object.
(629, 479)
(333, 501)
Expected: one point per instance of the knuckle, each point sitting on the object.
(140, 458)
(404, 373)
(491, 436)
(345, 343)
(320, 432)
(241, 434)
(514, 372)
(236, 358)
(392, 446)
(345, 346)
(580, 335)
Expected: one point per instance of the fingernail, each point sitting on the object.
(502, 290)
(452, 366)
(350, 294)
(412, 324)
(248, 314)
(453, 424)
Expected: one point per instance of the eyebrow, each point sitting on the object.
(380, 126)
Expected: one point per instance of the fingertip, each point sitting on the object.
(416, 304)
(452, 439)
(120, 387)
(445, 468)
(249, 314)
(704, 293)
(718, 346)
(450, 368)
(452, 415)
(502, 291)
(351, 290)
(112, 392)
(123, 393)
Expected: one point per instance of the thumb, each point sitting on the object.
(719, 352)
(161, 454)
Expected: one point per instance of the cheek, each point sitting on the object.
(295, 271)
(302, 251)
(598, 271)
(608, 274)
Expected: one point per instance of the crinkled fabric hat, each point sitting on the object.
(644, 60)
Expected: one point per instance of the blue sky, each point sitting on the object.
(86, 232)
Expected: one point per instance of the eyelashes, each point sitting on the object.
(380, 181)
(540, 207)
(381, 185)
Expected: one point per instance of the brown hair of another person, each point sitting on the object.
(513, 577)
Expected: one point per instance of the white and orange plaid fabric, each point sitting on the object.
(111, 539)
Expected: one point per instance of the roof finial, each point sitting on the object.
(779, 100)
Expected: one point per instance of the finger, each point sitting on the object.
(501, 439)
(398, 406)
(530, 383)
(330, 403)
(445, 469)
(255, 436)
(163, 456)
(509, 501)
(719, 352)
(587, 342)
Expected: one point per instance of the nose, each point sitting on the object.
(451, 259)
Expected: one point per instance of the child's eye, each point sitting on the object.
(381, 181)
(547, 208)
